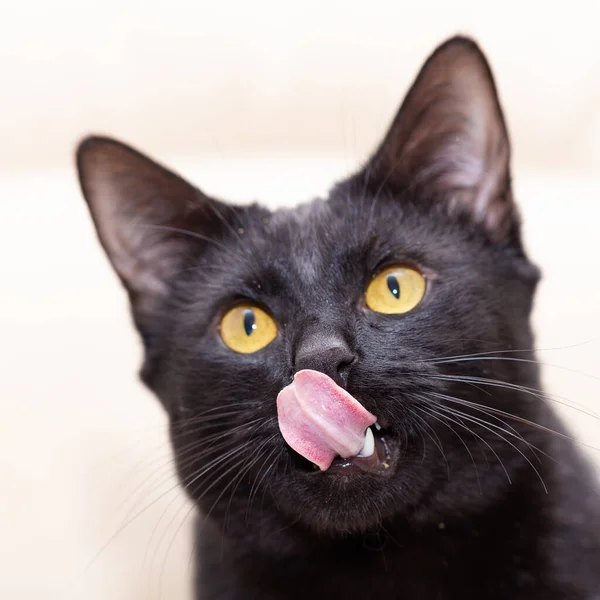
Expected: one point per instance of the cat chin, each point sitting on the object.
(340, 520)
(339, 505)
(355, 507)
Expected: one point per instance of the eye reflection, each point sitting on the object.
(393, 286)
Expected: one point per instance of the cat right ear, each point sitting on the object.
(449, 143)
(149, 220)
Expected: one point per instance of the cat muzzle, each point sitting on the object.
(330, 428)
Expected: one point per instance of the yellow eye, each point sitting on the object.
(395, 291)
(247, 329)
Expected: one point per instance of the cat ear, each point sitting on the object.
(149, 220)
(449, 140)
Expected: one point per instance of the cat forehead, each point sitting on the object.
(299, 218)
(302, 236)
(325, 238)
(301, 245)
(335, 227)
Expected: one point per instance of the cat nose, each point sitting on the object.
(329, 355)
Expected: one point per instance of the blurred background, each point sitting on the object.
(248, 100)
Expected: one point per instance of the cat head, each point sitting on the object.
(232, 301)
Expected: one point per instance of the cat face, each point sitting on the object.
(434, 199)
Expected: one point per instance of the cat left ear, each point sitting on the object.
(149, 221)
(449, 140)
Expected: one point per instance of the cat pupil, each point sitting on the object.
(393, 286)
(249, 324)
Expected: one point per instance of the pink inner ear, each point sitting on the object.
(321, 420)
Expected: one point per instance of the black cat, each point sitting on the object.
(390, 320)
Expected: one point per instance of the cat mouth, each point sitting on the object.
(382, 460)
(330, 430)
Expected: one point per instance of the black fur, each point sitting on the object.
(490, 502)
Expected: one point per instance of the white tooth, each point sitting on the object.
(369, 446)
(378, 426)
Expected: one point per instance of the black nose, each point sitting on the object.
(328, 354)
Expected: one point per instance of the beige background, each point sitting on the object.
(248, 100)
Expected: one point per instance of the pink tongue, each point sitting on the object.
(320, 420)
